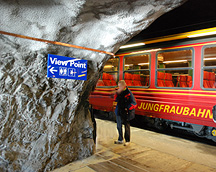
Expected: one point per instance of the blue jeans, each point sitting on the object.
(119, 128)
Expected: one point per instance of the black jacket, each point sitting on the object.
(126, 103)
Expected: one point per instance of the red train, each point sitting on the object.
(173, 81)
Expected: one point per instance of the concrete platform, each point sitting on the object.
(148, 152)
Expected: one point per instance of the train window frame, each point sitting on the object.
(112, 72)
(166, 69)
(124, 71)
(205, 67)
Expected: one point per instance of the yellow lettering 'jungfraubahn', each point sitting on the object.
(185, 111)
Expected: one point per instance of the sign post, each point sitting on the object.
(66, 67)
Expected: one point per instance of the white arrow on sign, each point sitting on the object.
(52, 70)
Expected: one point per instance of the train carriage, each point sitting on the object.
(172, 78)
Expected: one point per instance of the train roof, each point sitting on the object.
(192, 37)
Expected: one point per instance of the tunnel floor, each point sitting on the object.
(149, 151)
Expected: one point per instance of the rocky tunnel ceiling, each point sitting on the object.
(192, 15)
(44, 122)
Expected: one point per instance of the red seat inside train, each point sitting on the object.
(208, 79)
(107, 80)
(128, 79)
(163, 80)
(168, 80)
(136, 80)
(189, 81)
(100, 83)
(133, 79)
(212, 79)
(205, 79)
(183, 81)
(160, 79)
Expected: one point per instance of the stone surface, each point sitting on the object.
(45, 123)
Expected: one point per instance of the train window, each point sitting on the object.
(209, 68)
(136, 62)
(175, 59)
(210, 56)
(111, 65)
(175, 68)
(109, 76)
(137, 70)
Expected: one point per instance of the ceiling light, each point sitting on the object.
(108, 66)
(128, 64)
(146, 51)
(143, 64)
(202, 34)
(132, 45)
(175, 61)
(210, 58)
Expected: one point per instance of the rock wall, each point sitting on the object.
(44, 122)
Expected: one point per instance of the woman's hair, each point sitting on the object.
(122, 82)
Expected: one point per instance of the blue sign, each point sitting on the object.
(66, 67)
